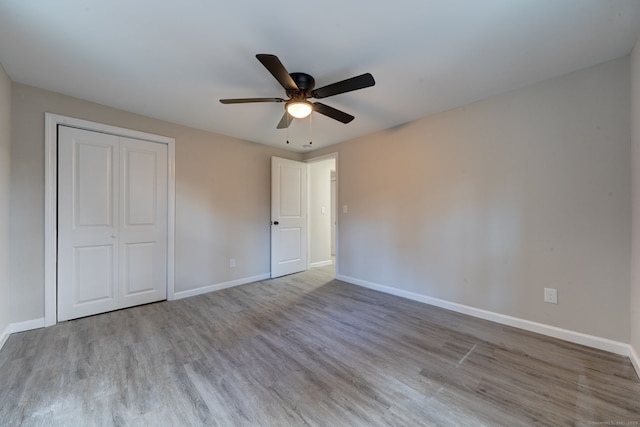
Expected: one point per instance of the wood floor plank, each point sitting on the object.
(306, 350)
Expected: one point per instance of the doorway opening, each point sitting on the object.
(322, 210)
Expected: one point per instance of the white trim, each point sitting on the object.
(552, 331)
(20, 327)
(5, 336)
(220, 286)
(171, 218)
(27, 325)
(50, 218)
(635, 360)
(50, 202)
(320, 263)
(329, 156)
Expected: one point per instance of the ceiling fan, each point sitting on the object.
(299, 87)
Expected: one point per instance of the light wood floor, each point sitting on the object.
(306, 350)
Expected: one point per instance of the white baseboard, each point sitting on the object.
(320, 263)
(20, 327)
(635, 359)
(5, 336)
(219, 286)
(552, 331)
(39, 323)
(27, 326)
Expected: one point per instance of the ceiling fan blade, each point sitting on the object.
(246, 100)
(285, 121)
(338, 115)
(275, 67)
(354, 83)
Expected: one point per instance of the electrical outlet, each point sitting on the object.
(551, 295)
(232, 263)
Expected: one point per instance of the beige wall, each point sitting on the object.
(484, 205)
(222, 198)
(488, 204)
(319, 222)
(635, 135)
(5, 162)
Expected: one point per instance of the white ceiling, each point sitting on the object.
(173, 60)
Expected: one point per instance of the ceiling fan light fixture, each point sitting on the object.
(299, 109)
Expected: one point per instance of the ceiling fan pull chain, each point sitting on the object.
(287, 134)
(310, 129)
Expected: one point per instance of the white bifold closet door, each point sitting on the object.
(112, 222)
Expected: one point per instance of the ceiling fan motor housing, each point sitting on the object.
(305, 84)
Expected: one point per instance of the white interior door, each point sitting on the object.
(143, 222)
(288, 216)
(112, 222)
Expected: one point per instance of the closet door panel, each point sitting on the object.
(143, 234)
(87, 223)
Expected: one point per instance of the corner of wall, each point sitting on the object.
(635, 360)
(635, 196)
(4, 336)
(5, 190)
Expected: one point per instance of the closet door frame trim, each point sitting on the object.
(51, 202)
